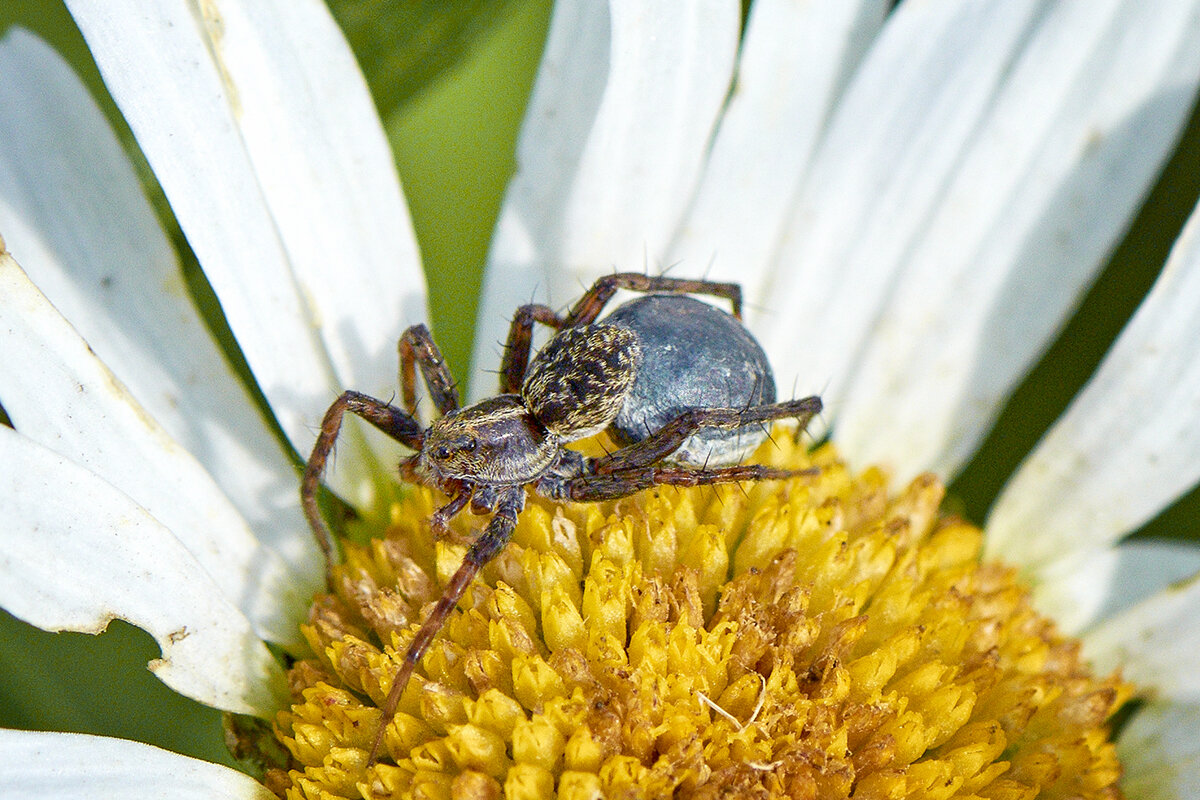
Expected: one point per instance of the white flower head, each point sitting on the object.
(913, 202)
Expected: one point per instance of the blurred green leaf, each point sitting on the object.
(403, 45)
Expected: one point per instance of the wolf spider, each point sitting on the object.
(681, 386)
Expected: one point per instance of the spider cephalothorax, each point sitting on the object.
(494, 441)
(681, 386)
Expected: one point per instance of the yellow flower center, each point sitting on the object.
(811, 638)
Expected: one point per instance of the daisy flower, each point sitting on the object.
(913, 202)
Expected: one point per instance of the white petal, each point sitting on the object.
(263, 137)
(72, 209)
(1096, 584)
(59, 394)
(974, 135)
(894, 135)
(48, 766)
(795, 60)
(1078, 132)
(1154, 643)
(1128, 444)
(327, 172)
(608, 157)
(1160, 752)
(1145, 568)
(77, 553)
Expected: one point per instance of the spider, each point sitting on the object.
(681, 386)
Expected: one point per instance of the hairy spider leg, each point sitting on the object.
(439, 521)
(588, 308)
(667, 439)
(490, 542)
(384, 416)
(417, 349)
(615, 485)
(520, 338)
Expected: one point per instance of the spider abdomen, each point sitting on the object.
(692, 356)
(578, 382)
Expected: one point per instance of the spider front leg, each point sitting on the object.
(392, 421)
(482, 550)
(417, 349)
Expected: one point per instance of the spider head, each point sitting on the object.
(495, 441)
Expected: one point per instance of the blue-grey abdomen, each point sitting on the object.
(693, 356)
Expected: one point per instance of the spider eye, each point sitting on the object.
(460, 445)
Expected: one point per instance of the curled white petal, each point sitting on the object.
(76, 553)
(49, 766)
(327, 174)
(608, 157)
(73, 210)
(1082, 120)
(1128, 444)
(59, 394)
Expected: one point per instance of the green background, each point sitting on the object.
(451, 80)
